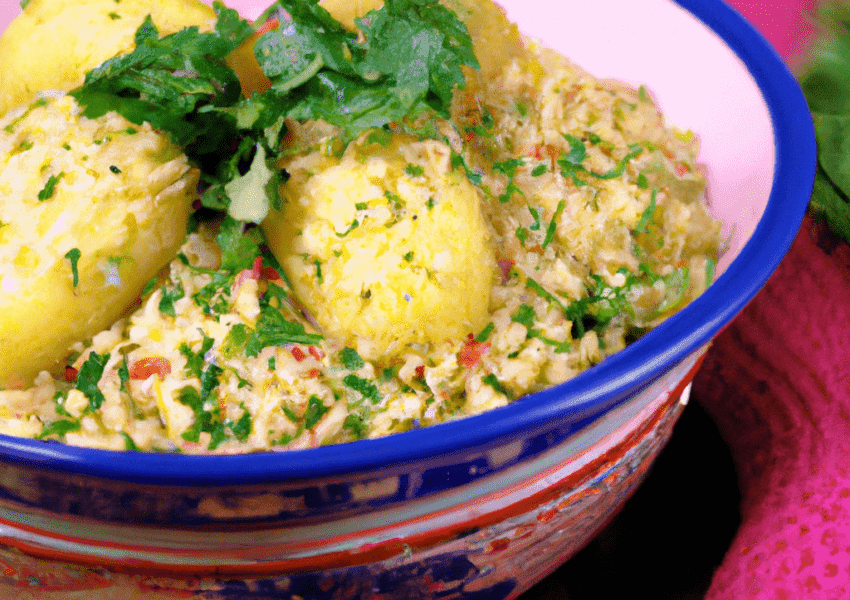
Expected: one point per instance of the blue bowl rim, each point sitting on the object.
(592, 393)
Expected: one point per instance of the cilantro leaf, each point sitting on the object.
(273, 329)
(87, 379)
(58, 428)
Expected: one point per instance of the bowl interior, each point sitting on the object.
(710, 72)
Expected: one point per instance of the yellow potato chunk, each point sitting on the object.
(387, 245)
(53, 43)
(90, 210)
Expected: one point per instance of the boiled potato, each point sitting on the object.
(40, 51)
(386, 246)
(90, 210)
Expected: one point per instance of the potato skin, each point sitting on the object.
(102, 29)
(121, 195)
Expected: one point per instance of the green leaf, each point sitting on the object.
(73, 255)
(87, 379)
(49, 188)
(238, 250)
(351, 359)
(315, 411)
(273, 329)
(366, 388)
(58, 428)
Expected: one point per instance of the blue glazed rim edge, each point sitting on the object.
(573, 401)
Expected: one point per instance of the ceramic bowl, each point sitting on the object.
(478, 508)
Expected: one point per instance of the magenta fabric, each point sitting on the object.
(777, 382)
(786, 24)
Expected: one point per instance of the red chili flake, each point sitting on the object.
(144, 368)
(681, 169)
(71, 374)
(297, 353)
(471, 352)
(314, 373)
(316, 353)
(420, 372)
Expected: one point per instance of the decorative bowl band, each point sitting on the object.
(500, 539)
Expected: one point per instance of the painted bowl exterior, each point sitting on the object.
(477, 508)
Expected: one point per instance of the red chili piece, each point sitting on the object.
(144, 368)
(471, 352)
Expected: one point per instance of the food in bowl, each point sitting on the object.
(433, 250)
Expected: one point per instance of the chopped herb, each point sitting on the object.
(491, 380)
(485, 333)
(195, 361)
(634, 151)
(351, 359)
(525, 316)
(58, 428)
(646, 216)
(535, 214)
(114, 16)
(169, 297)
(272, 363)
(509, 168)
(273, 329)
(73, 255)
(129, 444)
(59, 399)
(87, 379)
(208, 421)
(315, 411)
(553, 224)
(149, 286)
(539, 170)
(642, 181)
(319, 277)
(354, 224)
(522, 109)
(124, 375)
(571, 166)
(414, 170)
(50, 187)
(115, 169)
(289, 413)
(356, 426)
(242, 427)
(366, 388)
(408, 257)
(522, 234)
(361, 206)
